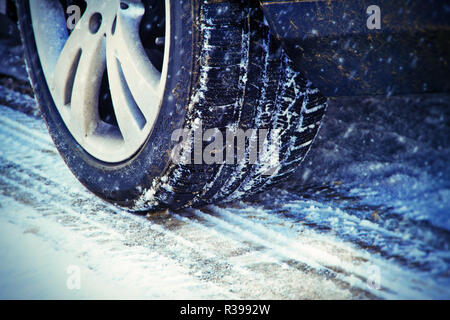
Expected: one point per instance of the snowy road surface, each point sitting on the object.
(367, 216)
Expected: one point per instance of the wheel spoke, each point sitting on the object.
(129, 117)
(86, 88)
(141, 77)
(78, 74)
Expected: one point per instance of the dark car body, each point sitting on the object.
(331, 43)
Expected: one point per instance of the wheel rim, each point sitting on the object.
(105, 55)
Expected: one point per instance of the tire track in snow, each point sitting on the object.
(245, 253)
(46, 184)
(103, 227)
(140, 273)
(338, 260)
(297, 254)
(254, 282)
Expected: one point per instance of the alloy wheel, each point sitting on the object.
(107, 75)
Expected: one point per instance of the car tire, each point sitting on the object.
(224, 69)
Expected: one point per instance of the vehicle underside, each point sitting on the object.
(332, 44)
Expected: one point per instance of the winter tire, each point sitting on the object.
(113, 90)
